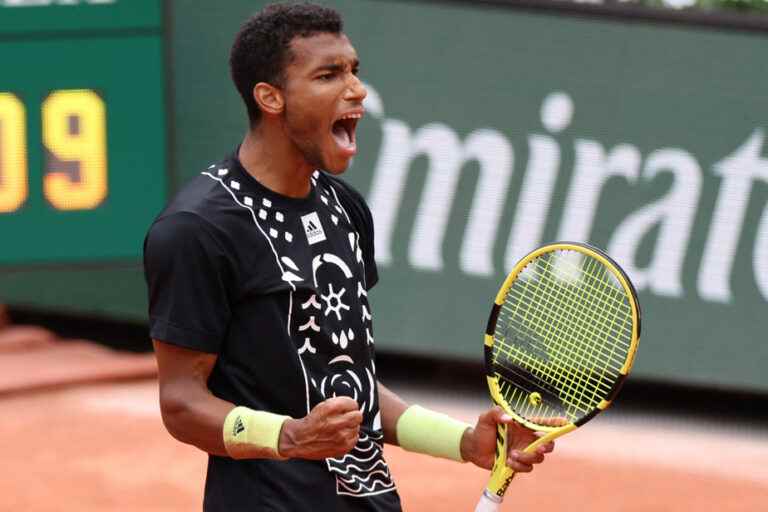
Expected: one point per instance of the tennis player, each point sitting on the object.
(259, 273)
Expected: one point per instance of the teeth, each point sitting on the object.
(351, 116)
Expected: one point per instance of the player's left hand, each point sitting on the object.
(478, 445)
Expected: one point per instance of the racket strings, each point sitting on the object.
(601, 313)
(563, 311)
(610, 299)
(583, 319)
(570, 387)
(571, 401)
(584, 383)
(557, 325)
(564, 321)
(541, 413)
(557, 320)
(524, 369)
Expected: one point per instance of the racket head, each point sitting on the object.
(561, 337)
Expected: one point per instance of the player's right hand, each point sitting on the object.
(331, 429)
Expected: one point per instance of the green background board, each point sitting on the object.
(652, 86)
(80, 15)
(135, 148)
(645, 92)
(87, 261)
(111, 290)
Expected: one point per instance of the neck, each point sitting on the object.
(274, 161)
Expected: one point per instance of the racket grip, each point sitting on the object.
(488, 502)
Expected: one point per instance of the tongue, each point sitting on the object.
(341, 135)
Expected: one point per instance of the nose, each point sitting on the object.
(356, 91)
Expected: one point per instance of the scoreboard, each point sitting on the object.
(82, 130)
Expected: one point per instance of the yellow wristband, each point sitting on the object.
(252, 434)
(423, 431)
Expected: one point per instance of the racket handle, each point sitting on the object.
(488, 502)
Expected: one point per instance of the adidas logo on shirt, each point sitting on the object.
(313, 228)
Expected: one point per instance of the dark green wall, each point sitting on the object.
(85, 261)
(669, 102)
(651, 136)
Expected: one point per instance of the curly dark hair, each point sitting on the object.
(262, 46)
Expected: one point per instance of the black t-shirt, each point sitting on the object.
(277, 288)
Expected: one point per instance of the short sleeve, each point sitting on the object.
(188, 278)
(362, 219)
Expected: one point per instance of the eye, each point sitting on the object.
(325, 77)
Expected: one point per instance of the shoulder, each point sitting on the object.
(180, 231)
(202, 194)
(193, 215)
(345, 191)
(350, 199)
(201, 205)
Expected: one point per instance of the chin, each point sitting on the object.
(336, 169)
(336, 172)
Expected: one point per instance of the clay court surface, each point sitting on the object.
(81, 431)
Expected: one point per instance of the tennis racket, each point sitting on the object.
(560, 341)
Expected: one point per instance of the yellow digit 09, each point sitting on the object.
(13, 153)
(75, 135)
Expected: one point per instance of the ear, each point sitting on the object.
(269, 98)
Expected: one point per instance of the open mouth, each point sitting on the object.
(343, 131)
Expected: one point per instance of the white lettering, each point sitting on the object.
(534, 201)
(446, 155)
(443, 149)
(495, 155)
(760, 258)
(592, 169)
(594, 166)
(387, 186)
(738, 171)
(675, 213)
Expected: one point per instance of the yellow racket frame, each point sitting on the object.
(502, 475)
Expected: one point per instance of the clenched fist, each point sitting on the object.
(331, 429)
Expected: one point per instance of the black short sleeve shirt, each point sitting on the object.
(277, 287)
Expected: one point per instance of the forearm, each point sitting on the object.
(391, 407)
(196, 418)
(191, 413)
(421, 430)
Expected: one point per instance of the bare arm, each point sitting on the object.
(391, 407)
(193, 415)
(478, 444)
